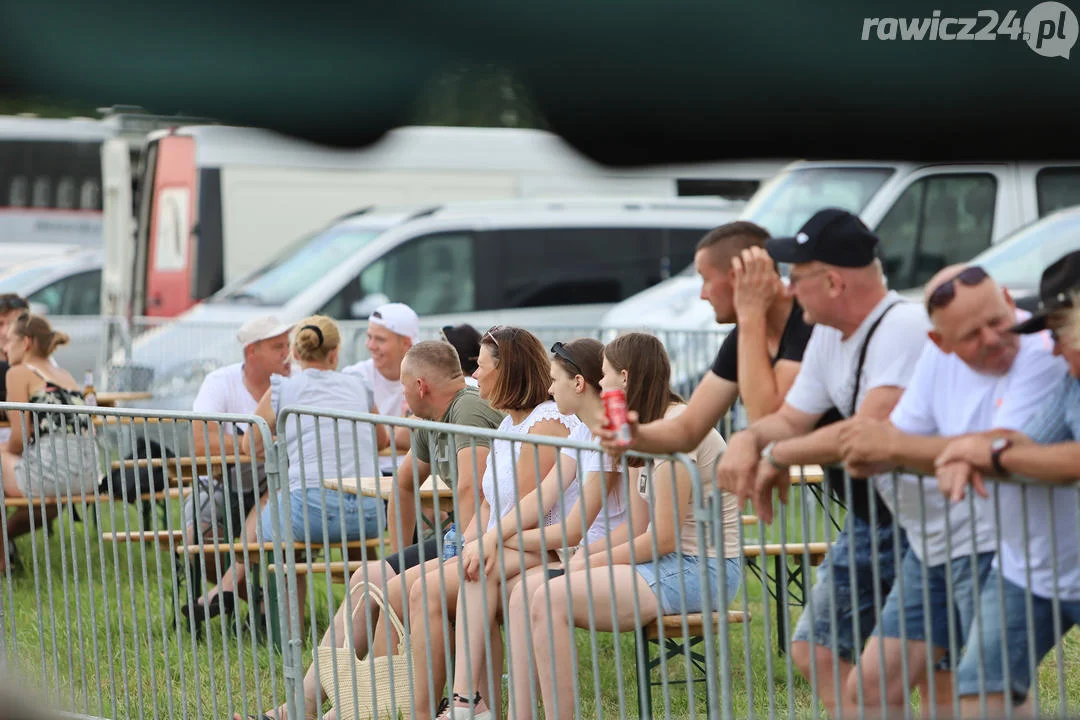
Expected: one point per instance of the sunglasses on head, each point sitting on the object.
(559, 350)
(945, 292)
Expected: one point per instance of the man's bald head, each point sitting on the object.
(972, 319)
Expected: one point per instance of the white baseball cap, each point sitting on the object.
(398, 318)
(261, 328)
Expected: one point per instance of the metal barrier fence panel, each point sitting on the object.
(92, 614)
(171, 357)
(90, 609)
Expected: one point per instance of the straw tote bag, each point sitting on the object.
(376, 678)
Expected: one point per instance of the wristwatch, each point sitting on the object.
(997, 447)
(767, 456)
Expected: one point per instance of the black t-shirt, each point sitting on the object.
(792, 346)
(793, 343)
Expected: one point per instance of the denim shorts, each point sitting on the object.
(816, 621)
(1010, 644)
(914, 612)
(362, 517)
(673, 575)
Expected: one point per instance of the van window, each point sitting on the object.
(937, 221)
(538, 267)
(1057, 188)
(78, 294)
(432, 274)
(790, 199)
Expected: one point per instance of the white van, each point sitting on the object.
(216, 200)
(928, 215)
(530, 263)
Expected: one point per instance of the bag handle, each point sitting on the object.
(372, 591)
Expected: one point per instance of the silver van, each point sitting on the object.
(528, 262)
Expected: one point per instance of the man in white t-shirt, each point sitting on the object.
(860, 357)
(974, 376)
(393, 328)
(236, 388)
(1032, 597)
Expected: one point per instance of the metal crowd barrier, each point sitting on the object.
(156, 354)
(91, 616)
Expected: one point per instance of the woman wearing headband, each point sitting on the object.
(318, 449)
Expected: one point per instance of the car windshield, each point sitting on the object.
(298, 268)
(1019, 260)
(790, 199)
(25, 280)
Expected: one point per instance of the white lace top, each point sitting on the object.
(499, 481)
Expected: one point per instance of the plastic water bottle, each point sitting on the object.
(451, 544)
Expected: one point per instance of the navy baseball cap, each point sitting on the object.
(1056, 286)
(832, 236)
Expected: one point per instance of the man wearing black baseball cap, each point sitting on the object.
(1038, 563)
(861, 355)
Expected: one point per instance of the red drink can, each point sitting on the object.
(615, 409)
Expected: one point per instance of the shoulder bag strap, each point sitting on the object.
(862, 357)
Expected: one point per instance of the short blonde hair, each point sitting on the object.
(315, 338)
(434, 356)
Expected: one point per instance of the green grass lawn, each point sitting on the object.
(100, 636)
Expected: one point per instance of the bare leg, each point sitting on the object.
(553, 641)
(826, 667)
(897, 694)
(522, 671)
(995, 706)
(942, 694)
(426, 601)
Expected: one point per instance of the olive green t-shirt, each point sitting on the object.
(466, 408)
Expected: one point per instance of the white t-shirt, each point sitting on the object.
(389, 398)
(947, 398)
(613, 513)
(1049, 537)
(223, 391)
(826, 378)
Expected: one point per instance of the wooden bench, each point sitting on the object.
(369, 547)
(161, 538)
(91, 499)
(677, 636)
(338, 570)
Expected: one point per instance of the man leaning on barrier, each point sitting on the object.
(860, 358)
(975, 375)
(1039, 559)
(757, 361)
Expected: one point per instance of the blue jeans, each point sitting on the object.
(820, 616)
(672, 575)
(917, 616)
(1008, 645)
(328, 510)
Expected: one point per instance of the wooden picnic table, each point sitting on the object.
(189, 466)
(110, 399)
(433, 492)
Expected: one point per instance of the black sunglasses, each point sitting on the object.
(559, 350)
(945, 292)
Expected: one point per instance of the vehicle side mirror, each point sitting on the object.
(362, 309)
